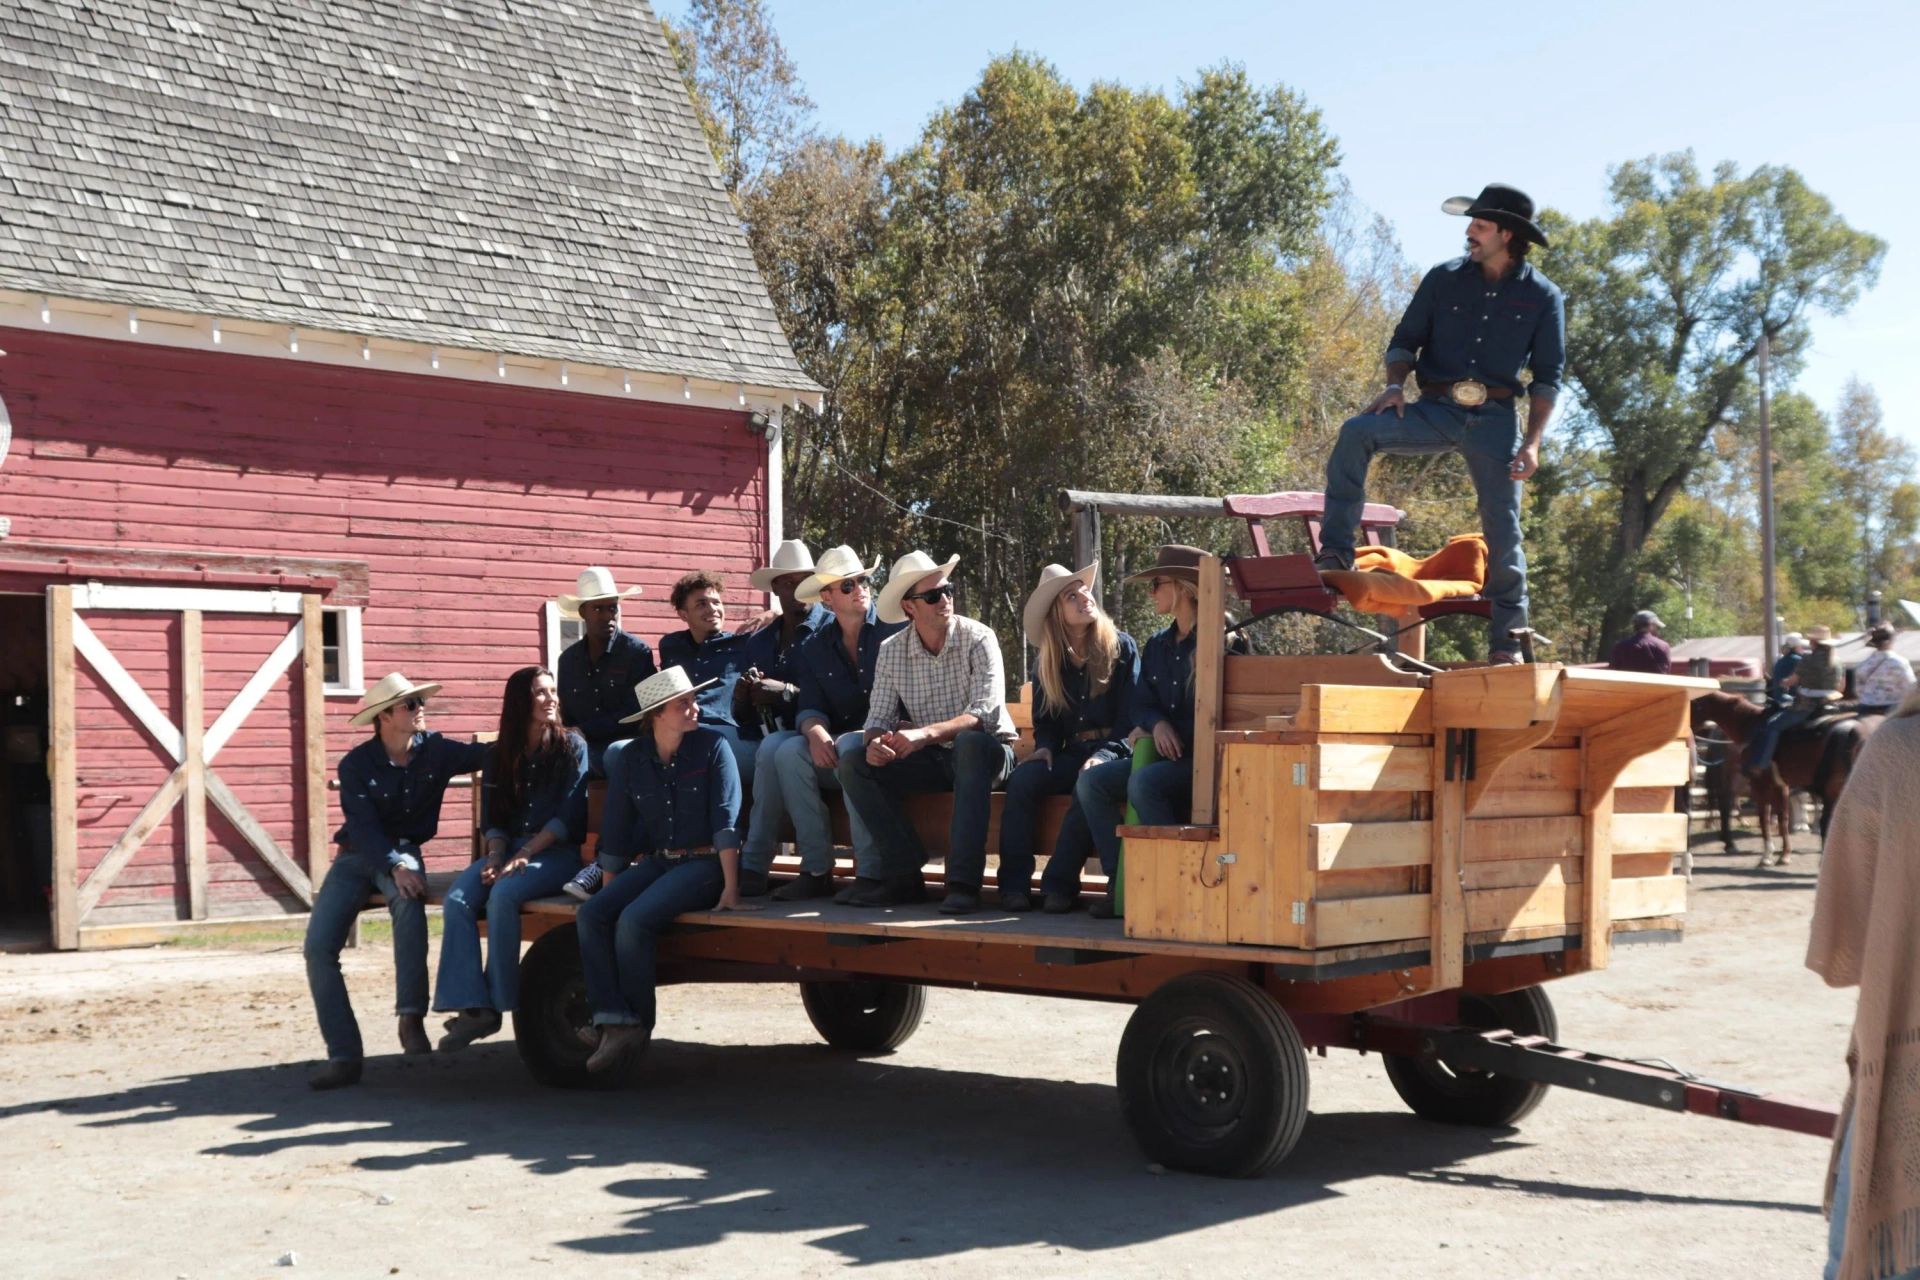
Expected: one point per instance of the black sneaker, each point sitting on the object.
(584, 885)
(1016, 900)
(961, 900)
(804, 887)
(1059, 904)
(753, 884)
(894, 891)
(1102, 909)
(1332, 562)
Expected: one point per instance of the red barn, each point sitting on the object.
(338, 339)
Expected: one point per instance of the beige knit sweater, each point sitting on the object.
(1866, 930)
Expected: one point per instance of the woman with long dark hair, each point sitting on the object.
(534, 805)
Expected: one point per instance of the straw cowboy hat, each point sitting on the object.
(662, 687)
(393, 687)
(593, 584)
(1502, 205)
(1174, 561)
(908, 570)
(792, 557)
(1054, 579)
(835, 564)
(1818, 634)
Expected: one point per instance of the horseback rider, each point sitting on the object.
(1799, 690)
(1883, 678)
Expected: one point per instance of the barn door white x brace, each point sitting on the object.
(192, 748)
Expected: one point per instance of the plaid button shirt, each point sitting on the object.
(964, 678)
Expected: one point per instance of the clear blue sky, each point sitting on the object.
(1430, 101)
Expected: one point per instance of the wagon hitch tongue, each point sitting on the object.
(1651, 1084)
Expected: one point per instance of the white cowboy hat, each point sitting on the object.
(393, 687)
(908, 570)
(1053, 580)
(593, 584)
(1792, 641)
(791, 557)
(835, 564)
(662, 687)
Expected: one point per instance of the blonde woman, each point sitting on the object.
(1863, 935)
(1084, 690)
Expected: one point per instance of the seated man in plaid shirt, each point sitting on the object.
(943, 677)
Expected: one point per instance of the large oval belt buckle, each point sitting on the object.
(1469, 393)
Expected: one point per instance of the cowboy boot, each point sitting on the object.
(413, 1034)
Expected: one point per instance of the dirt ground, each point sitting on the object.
(156, 1124)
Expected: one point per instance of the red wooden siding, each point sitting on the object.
(472, 504)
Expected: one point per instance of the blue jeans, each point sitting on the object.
(800, 783)
(462, 983)
(1766, 738)
(619, 925)
(744, 752)
(769, 812)
(1161, 795)
(1837, 1226)
(971, 768)
(351, 879)
(1488, 437)
(1031, 783)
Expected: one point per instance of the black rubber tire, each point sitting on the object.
(1213, 1077)
(865, 1016)
(553, 1009)
(1481, 1098)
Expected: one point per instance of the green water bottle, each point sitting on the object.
(1144, 754)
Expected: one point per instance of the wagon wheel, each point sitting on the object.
(553, 1014)
(1213, 1077)
(1439, 1092)
(865, 1016)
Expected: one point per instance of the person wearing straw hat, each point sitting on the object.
(1084, 687)
(1470, 329)
(597, 672)
(391, 786)
(936, 721)
(673, 813)
(773, 693)
(834, 669)
(1800, 690)
(1883, 678)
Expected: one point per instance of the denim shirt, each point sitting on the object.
(689, 802)
(390, 809)
(1111, 710)
(776, 661)
(1459, 326)
(1165, 688)
(553, 797)
(594, 698)
(1783, 666)
(834, 687)
(722, 656)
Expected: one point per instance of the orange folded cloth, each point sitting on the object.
(1384, 580)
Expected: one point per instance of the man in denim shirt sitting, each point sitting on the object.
(1473, 325)
(391, 786)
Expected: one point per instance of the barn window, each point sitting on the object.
(340, 651)
(557, 633)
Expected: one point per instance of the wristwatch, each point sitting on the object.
(1394, 386)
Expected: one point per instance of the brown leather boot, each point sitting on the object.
(616, 1043)
(337, 1074)
(413, 1034)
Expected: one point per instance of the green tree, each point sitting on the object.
(1877, 490)
(744, 87)
(1668, 297)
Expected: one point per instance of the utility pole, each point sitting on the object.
(1770, 638)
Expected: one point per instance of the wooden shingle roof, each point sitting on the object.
(499, 175)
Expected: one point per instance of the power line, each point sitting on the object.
(972, 530)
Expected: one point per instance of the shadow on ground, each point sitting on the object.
(872, 1161)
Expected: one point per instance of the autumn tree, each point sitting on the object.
(744, 87)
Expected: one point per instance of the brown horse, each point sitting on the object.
(1818, 765)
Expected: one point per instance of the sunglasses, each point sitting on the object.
(414, 704)
(933, 595)
(848, 586)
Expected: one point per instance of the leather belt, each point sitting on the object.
(1094, 735)
(680, 855)
(1466, 392)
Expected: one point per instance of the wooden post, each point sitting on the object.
(1412, 640)
(61, 765)
(1449, 919)
(193, 720)
(1596, 919)
(1209, 683)
(313, 696)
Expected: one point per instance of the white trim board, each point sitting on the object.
(157, 327)
(112, 596)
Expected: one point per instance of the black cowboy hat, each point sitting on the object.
(1505, 206)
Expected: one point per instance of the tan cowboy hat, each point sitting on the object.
(393, 687)
(792, 557)
(1818, 634)
(1054, 579)
(593, 584)
(662, 687)
(835, 564)
(1174, 561)
(908, 570)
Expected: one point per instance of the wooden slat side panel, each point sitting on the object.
(1352, 921)
(1368, 882)
(1647, 896)
(1498, 839)
(1634, 865)
(1372, 806)
(1494, 909)
(1642, 800)
(1350, 846)
(1531, 804)
(1668, 766)
(1523, 873)
(1353, 767)
(1337, 708)
(1649, 832)
(1539, 770)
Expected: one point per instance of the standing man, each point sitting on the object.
(1473, 325)
(834, 669)
(943, 677)
(390, 791)
(597, 673)
(1643, 650)
(1883, 679)
(772, 694)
